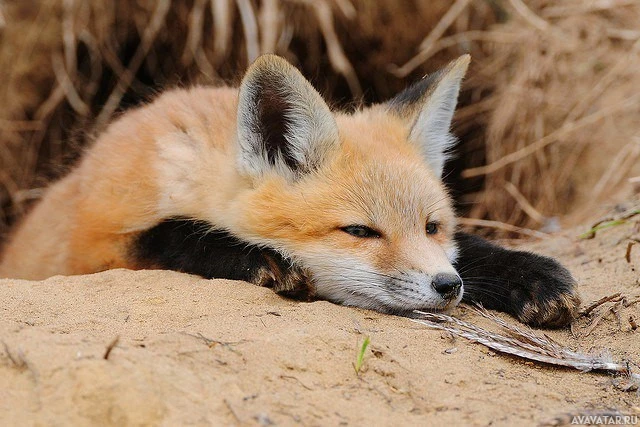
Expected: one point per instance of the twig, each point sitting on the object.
(347, 8)
(211, 343)
(194, 37)
(445, 22)
(233, 412)
(627, 255)
(615, 309)
(46, 108)
(579, 8)
(337, 57)
(447, 42)
(474, 222)
(296, 379)
(615, 297)
(21, 196)
(427, 44)
(524, 203)
(110, 347)
(222, 27)
(69, 36)
(529, 16)
(70, 92)
(250, 27)
(95, 61)
(141, 52)
(597, 320)
(269, 25)
(632, 302)
(623, 34)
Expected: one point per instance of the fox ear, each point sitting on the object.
(284, 125)
(429, 105)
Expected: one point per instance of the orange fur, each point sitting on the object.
(84, 221)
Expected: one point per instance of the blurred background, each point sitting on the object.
(548, 121)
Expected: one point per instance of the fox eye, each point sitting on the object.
(432, 227)
(361, 231)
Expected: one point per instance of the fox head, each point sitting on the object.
(356, 199)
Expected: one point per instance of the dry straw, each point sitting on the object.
(563, 127)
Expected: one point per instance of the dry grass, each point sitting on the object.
(563, 125)
(550, 105)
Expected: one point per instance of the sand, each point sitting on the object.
(211, 352)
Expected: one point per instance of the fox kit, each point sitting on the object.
(267, 184)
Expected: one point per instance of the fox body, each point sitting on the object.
(269, 185)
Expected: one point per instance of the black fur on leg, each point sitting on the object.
(535, 289)
(194, 247)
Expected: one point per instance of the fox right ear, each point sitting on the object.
(429, 106)
(284, 125)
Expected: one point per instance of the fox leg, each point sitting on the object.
(195, 247)
(537, 290)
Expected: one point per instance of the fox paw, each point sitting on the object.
(546, 296)
(285, 278)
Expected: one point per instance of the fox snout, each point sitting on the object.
(447, 285)
(428, 291)
(418, 290)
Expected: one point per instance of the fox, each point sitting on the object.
(266, 183)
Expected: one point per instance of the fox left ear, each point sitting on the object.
(429, 105)
(284, 125)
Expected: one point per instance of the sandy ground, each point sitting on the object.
(199, 352)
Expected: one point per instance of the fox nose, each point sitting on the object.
(446, 284)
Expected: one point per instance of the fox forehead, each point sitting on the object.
(375, 128)
(377, 162)
(382, 193)
(375, 178)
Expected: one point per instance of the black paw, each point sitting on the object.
(284, 277)
(537, 290)
(545, 295)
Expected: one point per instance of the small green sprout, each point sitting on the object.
(590, 234)
(360, 359)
